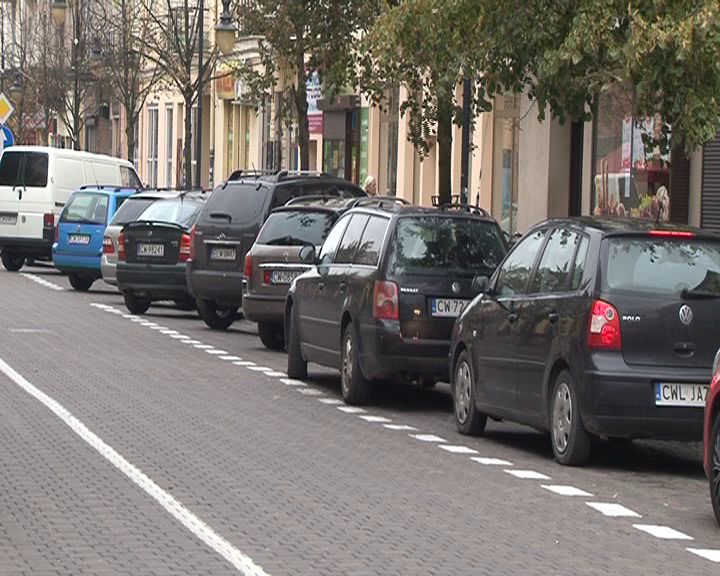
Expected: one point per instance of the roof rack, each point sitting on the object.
(113, 187)
(382, 202)
(239, 174)
(466, 207)
(284, 174)
(313, 198)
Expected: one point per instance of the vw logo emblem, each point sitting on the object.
(455, 287)
(686, 314)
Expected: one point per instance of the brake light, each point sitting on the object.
(108, 247)
(121, 247)
(604, 328)
(57, 233)
(247, 270)
(192, 243)
(48, 220)
(385, 301)
(671, 234)
(185, 248)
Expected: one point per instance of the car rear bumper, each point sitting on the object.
(30, 247)
(108, 270)
(76, 263)
(158, 282)
(224, 288)
(260, 308)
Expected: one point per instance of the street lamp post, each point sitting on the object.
(201, 78)
(225, 30)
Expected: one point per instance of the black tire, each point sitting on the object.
(272, 335)
(355, 388)
(135, 304)
(297, 365)
(715, 467)
(571, 443)
(468, 420)
(80, 282)
(12, 262)
(216, 317)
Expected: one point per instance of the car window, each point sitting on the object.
(283, 194)
(242, 202)
(129, 179)
(329, 247)
(579, 268)
(368, 252)
(36, 170)
(554, 268)
(296, 227)
(86, 208)
(515, 272)
(130, 210)
(351, 239)
(175, 211)
(10, 165)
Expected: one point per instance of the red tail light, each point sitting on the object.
(185, 248)
(121, 247)
(192, 243)
(48, 220)
(108, 247)
(385, 301)
(57, 233)
(604, 328)
(671, 234)
(247, 271)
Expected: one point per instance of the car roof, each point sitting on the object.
(624, 225)
(111, 190)
(409, 210)
(165, 194)
(284, 176)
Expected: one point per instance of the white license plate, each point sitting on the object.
(677, 394)
(82, 239)
(283, 276)
(447, 307)
(154, 250)
(8, 219)
(222, 254)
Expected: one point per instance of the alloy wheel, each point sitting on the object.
(347, 364)
(462, 392)
(562, 417)
(715, 471)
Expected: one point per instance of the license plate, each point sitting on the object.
(8, 219)
(82, 239)
(154, 250)
(447, 307)
(283, 276)
(677, 394)
(222, 254)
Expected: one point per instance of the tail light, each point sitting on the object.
(670, 234)
(185, 248)
(604, 328)
(48, 220)
(247, 271)
(192, 243)
(57, 233)
(121, 247)
(385, 301)
(108, 247)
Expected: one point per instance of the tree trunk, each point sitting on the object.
(187, 148)
(444, 144)
(130, 123)
(303, 135)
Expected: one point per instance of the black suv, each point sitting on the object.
(593, 327)
(228, 226)
(383, 295)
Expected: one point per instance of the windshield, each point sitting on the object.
(240, 203)
(176, 211)
(295, 228)
(670, 267)
(86, 208)
(130, 210)
(441, 246)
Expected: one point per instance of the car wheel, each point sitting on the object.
(355, 388)
(80, 283)
(297, 366)
(272, 335)
(715, 468)
(570, 441)
(12, 262)
(468, 420)
(216, 317)
(135, 304)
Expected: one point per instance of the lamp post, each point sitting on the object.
(58, 9)
(225, 30)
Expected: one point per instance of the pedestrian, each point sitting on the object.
(370, 186)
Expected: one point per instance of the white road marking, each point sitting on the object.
(259, 368)
(310, 391)
(136, 319)
(118, 312)
(399, 427)
(129, 316)
(331, 401)
(191, 341)
(230, 358)
(566, 490)
(527, 474)
(156, 327)
(179, 336)
(169, 331)
(491, 461)
(351, 409)
(242, 562)
(427, 438)
(275, 374)
(712, 555)
(203, 346)
(458, 449)
(41, 281)
(148, 323)
(369, 418)
(613, 510)
(99, 305)
(215, 352)
(292, 382)
(242, 363)
(662, 532)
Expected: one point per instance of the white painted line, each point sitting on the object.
(98, 305)
(369, 418)
(190, 341)
(613, 510)
(118, 312)
(292, 382)
(128, 316)
(203, 346)
(275, 374)
(230, 358)
(458, 449)
(310, 391)
(149, 324)
(527, 474)
(156, 327)
(662, 532)
(137, 319)
(243, 363)
(399, 427)
(351, 409)
(427, 438)
(169, 332)
(491, 461)
(174, 507)
(179, 336)
(566, 490)
(712, 555)
(259, 368)
(331, 401)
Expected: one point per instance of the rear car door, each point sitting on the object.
(82, 224)
(35, 197)
(10, 174)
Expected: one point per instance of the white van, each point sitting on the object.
(35, 183)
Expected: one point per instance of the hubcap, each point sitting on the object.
(347, 364)
(715, 472)
(462, 392)
(223, 312)
(562, 417)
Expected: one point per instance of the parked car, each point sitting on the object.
(711, 460)
(35, 183)
(80, 231)
(128, 212)
(381, 300)
(228, 226)
(273, 261)
(593, 327)
(153, 252)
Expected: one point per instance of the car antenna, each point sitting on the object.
(94, 175)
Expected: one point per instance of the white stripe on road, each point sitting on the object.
(242, 363)
(275, 374)
(351, 409)
(290, 381)
(458, 449)
(491, 461)
(712, 555)
(310, 391)
(204, 346)
(527, 474)
(662, 532)
(566, 490)
(399, 427)
(242, 562)
(230, 358)
(427, 438)
(259, 368)
(215, 352)
(369, 418)
(330, 401)
(613, 510)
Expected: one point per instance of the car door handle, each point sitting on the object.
(512, 317)
(553, 317)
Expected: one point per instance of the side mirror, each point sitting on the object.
(480, 284)
(307, 254)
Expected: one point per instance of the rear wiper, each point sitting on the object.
(697, 294)
(286, 241)
(224, 215)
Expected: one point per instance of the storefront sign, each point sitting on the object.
(364, 131)
(225, 87)
(313, 89)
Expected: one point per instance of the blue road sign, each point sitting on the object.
(7, 138)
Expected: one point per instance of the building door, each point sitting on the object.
(577, 135)
(710, 207)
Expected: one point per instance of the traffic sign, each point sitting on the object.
(7, 138)
(6, 109)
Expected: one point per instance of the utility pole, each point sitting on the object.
(465, 143)
(201, 74)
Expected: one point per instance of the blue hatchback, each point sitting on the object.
(79, 233)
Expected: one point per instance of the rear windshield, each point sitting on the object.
(35, 171)
(86, 208)
(441, 246)
(243, 203)
(295, 228)
(130, 210)
(662, 266)
(176, 211)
